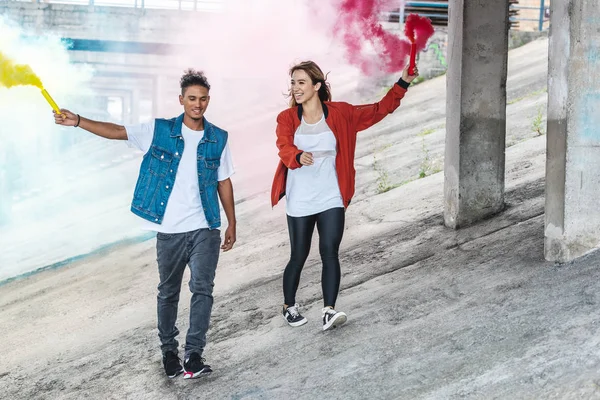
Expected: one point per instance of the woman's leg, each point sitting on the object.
(301, 230)
(330, 225)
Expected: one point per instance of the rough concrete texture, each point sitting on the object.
(433, 313)
(573, 219)
(476, 110)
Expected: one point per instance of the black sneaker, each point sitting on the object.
(194, 367)
(172, 364)
(292, 316)
(332, 319)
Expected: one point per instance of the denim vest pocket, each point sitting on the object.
(212, 167)
(160, 161)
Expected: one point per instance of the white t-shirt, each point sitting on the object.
(312, 189)
(184, 212)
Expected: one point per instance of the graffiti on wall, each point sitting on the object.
(439, 53)
(432, 61)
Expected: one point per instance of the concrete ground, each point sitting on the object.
(433, 313)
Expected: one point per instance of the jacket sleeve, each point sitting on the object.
(288, 152)
(367, 115)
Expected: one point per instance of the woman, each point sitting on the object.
(317, 140)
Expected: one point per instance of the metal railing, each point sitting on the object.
(544, 14)
(437, 12)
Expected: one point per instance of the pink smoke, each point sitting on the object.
(358, 22)
(418, 29)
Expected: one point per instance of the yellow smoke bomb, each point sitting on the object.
(50, 101)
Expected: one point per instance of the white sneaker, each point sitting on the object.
(332, 319)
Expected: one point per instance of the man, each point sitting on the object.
(187, 162)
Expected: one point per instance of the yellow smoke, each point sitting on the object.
(12, 74)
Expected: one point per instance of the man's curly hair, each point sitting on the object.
(191, 77)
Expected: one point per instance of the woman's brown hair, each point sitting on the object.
(316, 76)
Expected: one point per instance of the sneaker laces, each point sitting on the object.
(196, 361)
(293, 310)
(171, 356)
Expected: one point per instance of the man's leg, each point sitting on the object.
(171, 257)
(205, 246)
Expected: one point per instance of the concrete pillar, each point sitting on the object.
(476, 110)
(573, 134)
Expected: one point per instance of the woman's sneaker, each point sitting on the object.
(332, 319)
(194, 367)
(292, 316)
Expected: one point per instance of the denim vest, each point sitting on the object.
(159, 169)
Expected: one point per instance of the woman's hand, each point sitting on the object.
(409, 78)
(306, 158)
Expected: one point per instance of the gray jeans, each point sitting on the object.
(200, 250)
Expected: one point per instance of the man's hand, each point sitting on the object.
(306, 158)
(409, 78)
(229, 239)
(225, 189)
(65, 118)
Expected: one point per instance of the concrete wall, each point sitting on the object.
(573, 158)
(89, 22)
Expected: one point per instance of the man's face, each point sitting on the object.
(194, 100)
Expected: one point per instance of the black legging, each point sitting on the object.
(330, 225)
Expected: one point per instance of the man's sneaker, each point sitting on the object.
(332, 319)
(292, 316)
(194, 367)
(172, 364)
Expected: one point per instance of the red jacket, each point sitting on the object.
(345, 121)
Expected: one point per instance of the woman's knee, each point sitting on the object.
(329, 250)
(298, 258)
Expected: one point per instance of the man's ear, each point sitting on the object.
(181, 99)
